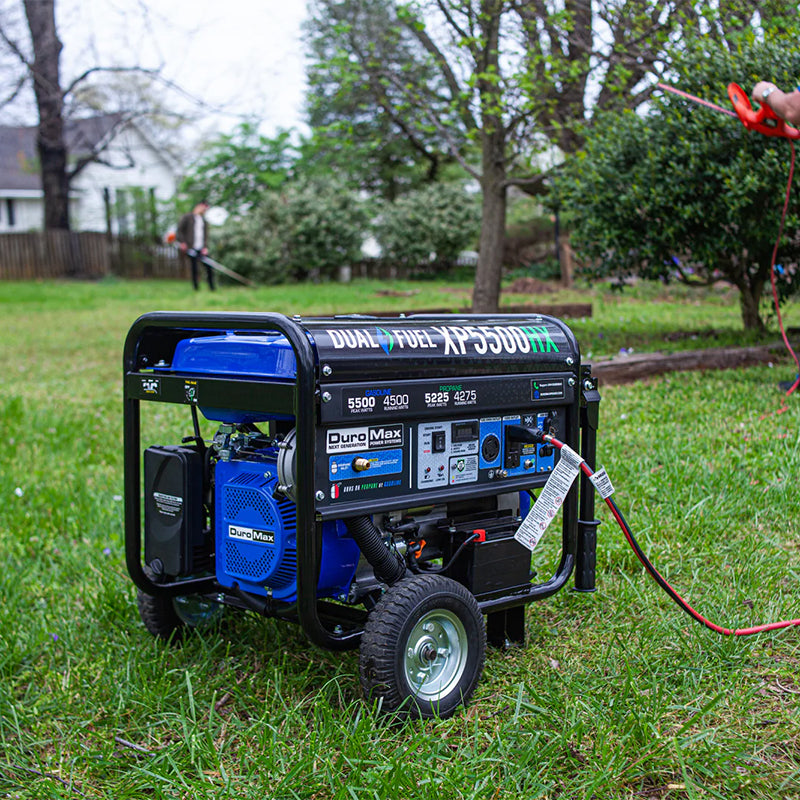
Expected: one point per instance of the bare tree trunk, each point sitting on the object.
(50, 103)
(489, 272)
(566, 261)
(749, 298)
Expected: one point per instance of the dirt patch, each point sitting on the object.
(396, 293)
(678, 336)
(529, 286)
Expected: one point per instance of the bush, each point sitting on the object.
(431, 224)
(308, 230)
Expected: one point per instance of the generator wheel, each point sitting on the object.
(423, 647)
(168, 617)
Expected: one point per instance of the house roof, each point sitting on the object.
(19, 163)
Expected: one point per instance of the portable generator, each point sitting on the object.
(366, 480)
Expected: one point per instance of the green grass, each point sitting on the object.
(617, 694)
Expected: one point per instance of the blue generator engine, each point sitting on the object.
(255, 533)
(371, 480)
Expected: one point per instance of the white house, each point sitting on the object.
(129, 173)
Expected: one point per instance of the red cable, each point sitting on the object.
(659, 578)
(772, 270)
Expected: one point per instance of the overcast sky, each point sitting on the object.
(241, 55)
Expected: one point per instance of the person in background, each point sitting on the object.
(192, 236)
(785, 104)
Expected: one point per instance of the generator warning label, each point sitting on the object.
(351, 440)
(602, 483)
(169, 505)
(251, 534)
(550, 500)
(151, 386)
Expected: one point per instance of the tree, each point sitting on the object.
(44, 68)
(501, 73)
(621, 48)
(37, 56)
(685, 193)
(356, 130)
(234, 170)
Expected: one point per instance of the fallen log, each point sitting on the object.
(634, 367)
(559, 310)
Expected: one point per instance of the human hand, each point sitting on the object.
(757, 95)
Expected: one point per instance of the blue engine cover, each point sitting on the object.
(255, 536)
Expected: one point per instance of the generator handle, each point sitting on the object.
(586, 551)
(309, 543)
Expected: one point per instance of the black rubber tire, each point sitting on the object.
(159, 616)
(396, 644)
(168, 618)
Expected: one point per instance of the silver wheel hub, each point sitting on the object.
(436, 655)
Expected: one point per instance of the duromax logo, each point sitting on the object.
(385, 340)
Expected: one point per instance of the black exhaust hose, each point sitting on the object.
(388, 563)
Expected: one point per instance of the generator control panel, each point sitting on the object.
(435, 439)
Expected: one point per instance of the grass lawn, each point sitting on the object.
(618, 694)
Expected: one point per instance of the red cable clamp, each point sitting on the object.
(480, 535)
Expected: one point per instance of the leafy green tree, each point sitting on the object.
(308, 230)
(436, 222)
(490, 82)
(234, 170)
(363, 127)
(684, 192)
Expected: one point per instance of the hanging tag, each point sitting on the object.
(550, 499)
(602, 483)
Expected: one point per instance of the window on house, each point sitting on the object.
(10, 215)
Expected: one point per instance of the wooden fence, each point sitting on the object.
(66, 254)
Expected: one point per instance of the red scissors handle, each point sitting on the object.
(765, 120)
